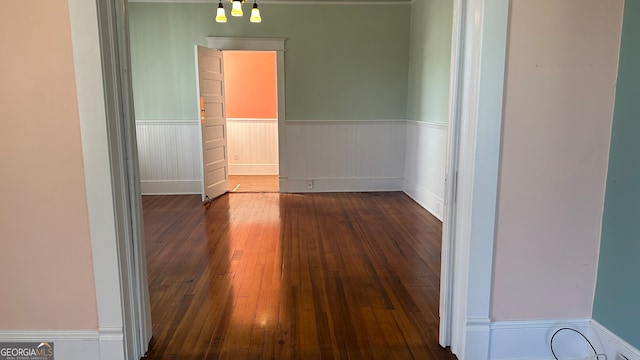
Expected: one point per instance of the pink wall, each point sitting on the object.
(561, 74)
(250, 84)
(46, 271)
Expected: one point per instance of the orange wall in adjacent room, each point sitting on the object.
(250, 84)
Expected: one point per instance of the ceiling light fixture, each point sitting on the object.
(221, 17)
(255, 13)
(236, 10)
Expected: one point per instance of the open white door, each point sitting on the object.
(213, 122)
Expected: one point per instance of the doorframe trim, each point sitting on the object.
(246, 43)
(102, 63)
(451, 178)
(479, 50)
(98, 182)
(279, 47)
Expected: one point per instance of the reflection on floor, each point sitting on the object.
(293, 276)
(253, 183)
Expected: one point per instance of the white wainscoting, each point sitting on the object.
(169, 153)
(529, 340)
(611, 344)
(366, 155)
(425, 164)
(253, 146)
(344, 155)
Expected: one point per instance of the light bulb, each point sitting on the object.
(236, 8)
(221, 17)
(255, 14)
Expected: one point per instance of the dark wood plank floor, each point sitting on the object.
(288, 276)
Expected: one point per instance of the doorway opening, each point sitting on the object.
(472, 117)
(239, 133)
(251, 102)
(257, 127)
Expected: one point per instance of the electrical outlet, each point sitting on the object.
(235, 156)
(309, 184)
(621, 357)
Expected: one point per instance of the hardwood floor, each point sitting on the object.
(290, 276)
(254, 183)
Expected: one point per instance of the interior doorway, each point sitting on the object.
(473, 117)
(251, 101)
(265, 171)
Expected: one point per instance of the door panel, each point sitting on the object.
(213, 122)
(212, 87)
(215, 132)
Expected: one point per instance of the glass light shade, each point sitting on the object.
(221, 17)
(236, 8)
(255, 14)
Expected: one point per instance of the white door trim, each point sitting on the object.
(95, 152)
(451, 178)
(125, 176)
(478, 67)
(246, 43)
(265, 44)
(100, 47)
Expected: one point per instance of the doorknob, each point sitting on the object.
(202, 110)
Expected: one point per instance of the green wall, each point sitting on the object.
(617, 298)
(343, 62)
(429, 60)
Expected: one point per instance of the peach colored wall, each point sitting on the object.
(250, 84)
(561, 75)
(46, 271)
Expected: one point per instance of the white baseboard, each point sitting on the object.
(529, 340)
(341, 185)
(428, 200)
(112, 343)
(170, 187)
(105, 344)
(67, 344)
(253, 169)
(611, 344)
(478, 337)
